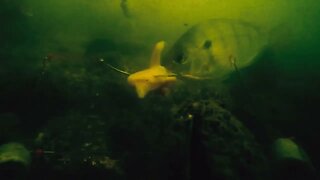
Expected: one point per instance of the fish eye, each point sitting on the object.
(180, 58)
(207, 44)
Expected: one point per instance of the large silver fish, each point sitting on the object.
(215, 48)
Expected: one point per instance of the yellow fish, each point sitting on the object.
(152, 78)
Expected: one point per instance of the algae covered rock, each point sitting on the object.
(14, 161)
(290, 161)
(219, 145)
(14, 152)
(78, 147)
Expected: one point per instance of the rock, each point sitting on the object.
(218, 145)
(14, 161)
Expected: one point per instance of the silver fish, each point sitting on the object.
(211, 49)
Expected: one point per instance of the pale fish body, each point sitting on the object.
(213, 49)
(150, 79)
(154, 77)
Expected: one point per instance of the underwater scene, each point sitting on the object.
(160, 89)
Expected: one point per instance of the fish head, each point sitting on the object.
(209, 48)
(196, 59)
(178, 58)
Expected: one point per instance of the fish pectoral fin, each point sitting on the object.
(156, 54)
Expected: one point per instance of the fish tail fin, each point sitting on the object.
(156, 54)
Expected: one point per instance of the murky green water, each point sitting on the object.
(246, 74)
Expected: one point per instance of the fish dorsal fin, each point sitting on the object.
(156, 54)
